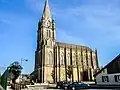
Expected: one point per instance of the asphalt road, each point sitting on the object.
(92, 87)
(63, 89)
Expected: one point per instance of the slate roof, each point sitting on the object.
(115, 59)
(63, 44)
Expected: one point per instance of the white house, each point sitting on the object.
(110, 74)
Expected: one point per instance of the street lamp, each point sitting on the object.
(21, 64)
(23, 60)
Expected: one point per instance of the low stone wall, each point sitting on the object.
(88, 82)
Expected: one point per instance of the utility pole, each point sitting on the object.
(21, 60)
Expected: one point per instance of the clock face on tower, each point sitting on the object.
(48, 23)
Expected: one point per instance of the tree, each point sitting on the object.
(69, 72)
(14, 69)
(0, 77)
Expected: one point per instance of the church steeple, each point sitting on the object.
(46, 13)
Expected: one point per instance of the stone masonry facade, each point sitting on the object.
(53, 57)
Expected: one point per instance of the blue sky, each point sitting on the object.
(95, 23)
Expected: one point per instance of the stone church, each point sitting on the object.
(53, 58)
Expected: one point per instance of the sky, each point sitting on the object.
(93, 23)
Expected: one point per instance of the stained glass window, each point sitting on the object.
(68, 60)
(51, 58)
(62, 59)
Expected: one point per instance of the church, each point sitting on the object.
(53, 59)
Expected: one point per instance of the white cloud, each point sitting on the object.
(97, 21)
(99, 25)
(62, 36)
(38, 6)
(16, 38)
(35, 5)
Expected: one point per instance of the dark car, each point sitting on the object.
(66, 84)
(62, 84)
(76, 85)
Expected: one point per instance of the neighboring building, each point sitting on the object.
(52, 56)
(23, 78)
(110, 74)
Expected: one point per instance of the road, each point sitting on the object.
(93, 87)
(41, 88)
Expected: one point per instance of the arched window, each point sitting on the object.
(49, 33)
(51, 58)
(49, 43)
(94, 61)
(62, 59)
(88, 56)
(74, 60)
(79, 59)
(68, 59)
(84, 55)
(94, 57)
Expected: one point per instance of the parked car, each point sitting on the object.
(62, 84)
(66, 84)
(76, 85)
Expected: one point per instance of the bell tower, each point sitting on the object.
(46, 38)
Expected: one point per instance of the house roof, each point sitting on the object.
(115, 59)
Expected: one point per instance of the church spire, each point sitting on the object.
(46, 13)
